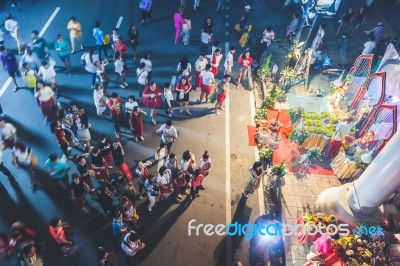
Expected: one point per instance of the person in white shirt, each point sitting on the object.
(12, 27)
(89, 59)
(369, 46)
(215, 60)
(229, 61)
(200, 65)
(268, 37)
(142, 78)
(8, 134)
(100, 100)
(148, 65)
(205, 40)
(186, 28)
(185, 66)
(205, 166)
(130, 104)
(120, 70)
(207, 81)
(45, 95)
(164, 181)
(48, 75)
(318, 40)
(131, 244)
(23, 156)
(169, 97)
(168, 136)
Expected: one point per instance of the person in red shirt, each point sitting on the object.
(122, 48)
(57, 229)
(197, 179)
(62, 139)
(114, 103)
(245, 62)
(152, 99)
(184, 87)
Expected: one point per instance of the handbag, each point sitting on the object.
(103, 101)
(213, 96)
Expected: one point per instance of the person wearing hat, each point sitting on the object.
(11, 25)
(75, 33)
(63, 49)
(178, 23)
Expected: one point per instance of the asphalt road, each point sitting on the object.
(166, 232)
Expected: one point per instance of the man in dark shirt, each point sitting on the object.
(105, 150)
(10, 64)
(39, 45)
(78, 189)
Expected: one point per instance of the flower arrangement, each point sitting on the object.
(266, 152)
(279, 171)
(288, 73)
(323, 123)
(295, 113)
(298, 135)
(355, 250)
(273, 97)
(261, 114)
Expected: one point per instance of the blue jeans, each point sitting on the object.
(185, 37)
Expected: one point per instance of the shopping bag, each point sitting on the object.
(213, 97)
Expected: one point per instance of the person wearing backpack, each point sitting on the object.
(88, 60)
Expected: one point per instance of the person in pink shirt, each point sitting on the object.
(197, 179)
(178, 23)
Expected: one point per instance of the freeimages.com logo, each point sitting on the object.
(278, 229)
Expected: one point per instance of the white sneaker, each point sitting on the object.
(125, 84)
(121, 86)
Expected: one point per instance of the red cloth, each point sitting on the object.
(197, 181)
(137, 124)
(214, 69)
(59, 133)
(185, 87)
(221, 98)
(116, 110)
(206, 89)
(57, 233)
(49, 109)
(198, 79)
(152, 102)
(125, 169)
(121, 47)
(332, 149)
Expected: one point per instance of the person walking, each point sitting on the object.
(229, 61)
(168, 136)
(207, 81)
(120, 70)
(57, 168)
(31, 59)
(133, 35)
(114, 103)
(47, 101)
(75, 33)
(30, 76)
(345, 20)
(148, 65)
(10, 65)
(145, 6)
(142, 79)
(23, 156)
(168, 99)
(152, 190)
(253, 182)
(136, 123)
(63, 49)
(4, 169)
(130, 104)
(222, 91)
(48, 76)
(118, 154)
(58, 231)
(100, 100)
(61, 138)
(184, 87)
(89, 59)
(245, 62)
(152, 99)
(11, 25)
(98, 35)
(85, 172)
(317, 43)
(39, 45)
(82, 130)
(215, 60)
(268, 37)
(357, 20)
(101, 75)
(178, 24)
(78, 189)
(186, 28)
(200, 65)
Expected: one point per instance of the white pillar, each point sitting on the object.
(379, 181)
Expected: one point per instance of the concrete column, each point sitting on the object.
(379, 181)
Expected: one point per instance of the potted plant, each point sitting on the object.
(261, 114)
(275, 125)
(266, 153)
(295, 113)
(278, 173)
(273, 97)
(314, 155)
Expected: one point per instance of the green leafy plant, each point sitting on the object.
(314, 155)
(279, 171)
(265, 68)
(261, 114)
(273, 97)
(266, 152)
(295, 113)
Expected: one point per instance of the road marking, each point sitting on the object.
(228, 173)
(261, 204)
(9, 80)
(49, 21)
(119, 22)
